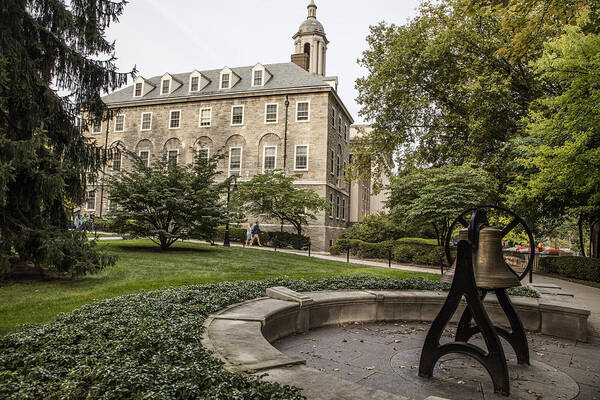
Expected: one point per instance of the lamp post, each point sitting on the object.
(226, 241)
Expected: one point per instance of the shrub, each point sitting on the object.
(285, 239)
(406, 250)
(374, 228)
(235, 234)
(583, 268)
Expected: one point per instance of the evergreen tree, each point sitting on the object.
(54, 64)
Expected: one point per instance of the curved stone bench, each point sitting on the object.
(241, 335)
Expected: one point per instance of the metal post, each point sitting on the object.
(309, 248)
(390, 257)
(287, 105)
(226, 241)
(348, 255)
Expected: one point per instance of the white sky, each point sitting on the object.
(159, 36)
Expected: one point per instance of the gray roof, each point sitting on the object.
(284, 76)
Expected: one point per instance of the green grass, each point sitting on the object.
(142, 266)
(91, 235)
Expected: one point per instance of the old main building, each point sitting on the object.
(261, 117)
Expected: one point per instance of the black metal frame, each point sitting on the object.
(494, 360)
(479, 213)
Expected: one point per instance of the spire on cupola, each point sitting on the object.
(312, 9)
(311, 43)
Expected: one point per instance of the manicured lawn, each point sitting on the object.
(142, 266)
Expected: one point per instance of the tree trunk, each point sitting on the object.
(580, 228)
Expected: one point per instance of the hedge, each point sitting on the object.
(406, 250)
(148, 345)
(281, 239)
(584, 268)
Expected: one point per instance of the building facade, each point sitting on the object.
(363, 199)
(278, 116)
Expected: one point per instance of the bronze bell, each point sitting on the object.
(491, 271)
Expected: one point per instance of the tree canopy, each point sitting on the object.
(54, 64)
(437, 196)
(275, 196)
(165, 202)
(561, 156)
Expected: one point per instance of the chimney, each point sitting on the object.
(301, 60)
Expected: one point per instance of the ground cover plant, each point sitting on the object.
(142, 266)
(148, 345)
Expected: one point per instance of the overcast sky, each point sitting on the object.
(159, 36)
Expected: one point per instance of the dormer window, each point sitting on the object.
(194, 84)
(225, 81)
(165, 86)
(139, 87)
(258, 78)
(260, 75)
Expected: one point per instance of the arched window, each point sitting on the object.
(307, 52)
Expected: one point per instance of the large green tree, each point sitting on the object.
(166, 202)
(275, 196)
(561, 155)
(54, 64)
(436, 196)
(438, 92)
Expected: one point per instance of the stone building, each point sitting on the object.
(363, 200)
(275, 116)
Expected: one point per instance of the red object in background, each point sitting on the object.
(553, 251)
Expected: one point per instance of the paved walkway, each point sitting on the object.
(587, 295)
(385, 356)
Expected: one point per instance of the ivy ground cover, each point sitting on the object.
(148, 345)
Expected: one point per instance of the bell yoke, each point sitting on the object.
(479, 268)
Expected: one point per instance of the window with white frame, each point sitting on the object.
(145, 157)
(302, 111)
(346, 133)
(91, 200)
(172, 156)
(174, 119)
(116, 159)
(337, 207)
(258, 78)
(235, 161)
(331, 162)
(138, 89)
(194, 84)
(237, 115)
(146, 124)
(165, 86)
(203, 153)
(301, 158)
(269, 157)
(271, 113)
(97, 127)
(205, 116)
(343, 209)
(332, 205)
(333, 117)
(340, 125)
(225, 81)
(119, 123)
(337, 166)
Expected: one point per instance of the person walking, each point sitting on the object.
(248, 234)
(92, 225)
(255, 232)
